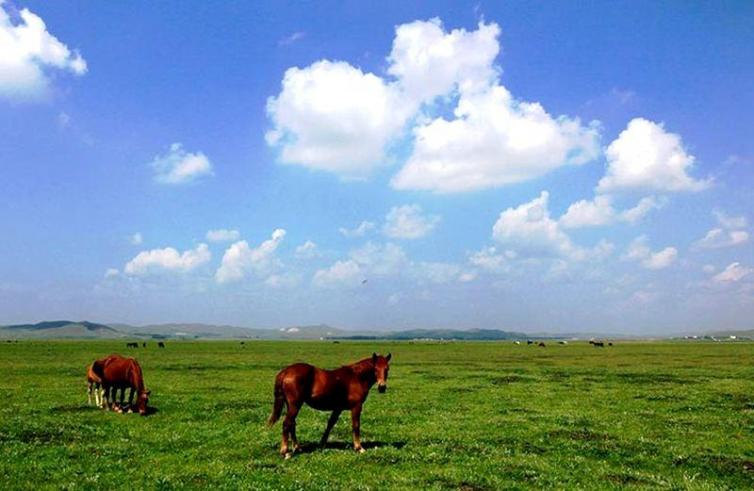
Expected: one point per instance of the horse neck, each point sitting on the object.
(364, 371)
(137, 380)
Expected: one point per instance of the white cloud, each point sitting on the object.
(732, 273)
(63, 120)
(307, 250)
(136, 239)
(28, 53)
(494, 140)
(240, 259)
(467, 276)
(111, 273)
(709, 268)
(408, 222)
(600, 211)
(529, 230)
(717, 238)
(179, 166)
(370, 260)
(292, 38)
(332, 116)
(728, 234)
(167, 259)
(381, 260)
(283, 280)
(638, 250)
(428, 62)
(661, 259)
(645, 156)
(342, 273)
(730, 222)
(223, 235)
(360, 231)
(593, 213)
(642, 208)
(437, 272)
(490, 259)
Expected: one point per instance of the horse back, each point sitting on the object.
(120, 371)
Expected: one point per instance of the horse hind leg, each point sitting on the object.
(289, 430)
(89, 392)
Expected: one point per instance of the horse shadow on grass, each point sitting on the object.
(306, 448)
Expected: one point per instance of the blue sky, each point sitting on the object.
(517, 165)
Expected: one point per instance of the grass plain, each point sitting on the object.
(463, 415)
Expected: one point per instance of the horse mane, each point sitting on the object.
(361, 365)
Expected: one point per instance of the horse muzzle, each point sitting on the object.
(381, 388)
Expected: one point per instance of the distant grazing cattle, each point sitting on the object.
(94, 387)
(144, 345)
(160, 344)
(562, 342)
(591, 341)
(529, 341)
(609, 344)
(117, 372)
(132, 345)
(516, 342)
(541, 344)
(598, 344)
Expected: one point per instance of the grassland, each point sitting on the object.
(455, 416)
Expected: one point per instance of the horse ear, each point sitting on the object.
(389, 355)
(374, 357)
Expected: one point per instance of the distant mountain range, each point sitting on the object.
(90, 330)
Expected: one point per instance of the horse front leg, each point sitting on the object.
(356, 427)
(330, 423)
(89, 392)
(106, 398)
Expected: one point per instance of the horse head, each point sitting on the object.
(381, 369)
(141, 404)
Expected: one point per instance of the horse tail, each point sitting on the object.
(277, 406)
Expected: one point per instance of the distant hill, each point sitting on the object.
(746, 333)
(61, 330)
(450, 334)
(89, 330)
(209, 331)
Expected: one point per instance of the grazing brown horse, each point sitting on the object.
(94, 386)
(117, 372)
(327, 390)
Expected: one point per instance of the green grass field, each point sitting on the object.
(455, 416)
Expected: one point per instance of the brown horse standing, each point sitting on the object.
(117, 372)
(327, 390)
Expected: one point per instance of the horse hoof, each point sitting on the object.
(287, 455)
(360, 450)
